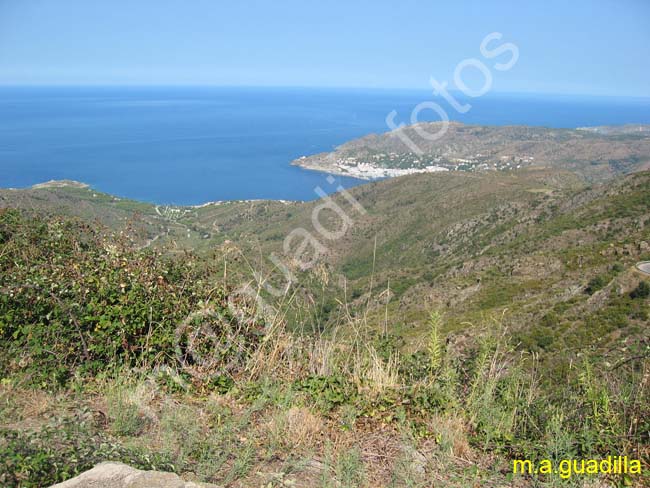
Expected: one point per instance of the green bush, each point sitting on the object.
(641, 291)
(63, 450)
(328, 391)
(77, 302)
(595, 284)
(617, 268)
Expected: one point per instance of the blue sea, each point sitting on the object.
(193, 145)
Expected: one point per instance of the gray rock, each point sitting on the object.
(418, 460)
(118, 475)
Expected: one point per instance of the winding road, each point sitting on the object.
(644, 267)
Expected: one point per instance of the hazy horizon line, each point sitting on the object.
(357, 88)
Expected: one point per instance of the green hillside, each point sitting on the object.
(455, 320)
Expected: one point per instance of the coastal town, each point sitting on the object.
(469, 148)
(388, 165)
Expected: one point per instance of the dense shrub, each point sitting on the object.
(75, 301)
(641, 291)
(62, 450)
(327, 391)
(595, 284)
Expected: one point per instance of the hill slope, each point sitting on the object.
(470, 243)
(537, 346)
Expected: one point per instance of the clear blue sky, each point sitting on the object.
(567, 46)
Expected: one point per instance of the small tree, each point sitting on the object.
(595, 284)
(641, 291)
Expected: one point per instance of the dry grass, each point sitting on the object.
(20, 407)
(302, 447)
(295, 429)
(379, 450)
(278, 356)
(322, 356)
(374, 374)
(451, 434)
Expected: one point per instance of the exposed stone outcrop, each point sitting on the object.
(118, 475)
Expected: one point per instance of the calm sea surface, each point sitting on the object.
(192, 145)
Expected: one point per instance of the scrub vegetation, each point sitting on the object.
(427, 353)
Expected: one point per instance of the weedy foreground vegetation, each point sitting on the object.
(103, 357)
